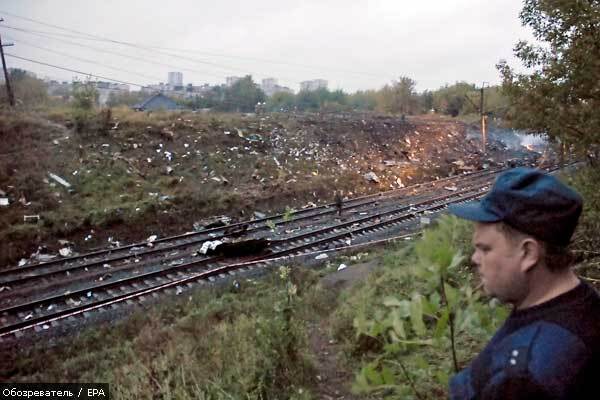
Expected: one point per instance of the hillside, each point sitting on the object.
(131, 175)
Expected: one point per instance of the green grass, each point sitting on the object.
(216, 344)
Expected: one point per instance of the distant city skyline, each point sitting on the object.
(355, 45)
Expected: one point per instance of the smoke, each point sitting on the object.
(513, 139)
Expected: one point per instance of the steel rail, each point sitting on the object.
(210, 231)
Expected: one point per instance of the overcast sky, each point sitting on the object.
(353, 44)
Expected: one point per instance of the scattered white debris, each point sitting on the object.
(371, 177)
(89, 294)
(28, 316)
(65, 251)
(73, 302)
(209, 245)
(321, 256)
(59, 180)
(45, 257)
(3, 288)
(451, 188)
(45, 326)
(342, 266)
(106, 266)
(4, 201)
(31, 218)
(425, 220)
(152, 238)
(22, 262)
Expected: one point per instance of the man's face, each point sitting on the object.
(498, 262)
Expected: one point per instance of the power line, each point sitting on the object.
(75, 71)
(88, 47)
(118, 54)
(98, 76)
(140, 47)
(88, 36)
(20, 41)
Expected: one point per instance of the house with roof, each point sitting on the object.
(157, 102)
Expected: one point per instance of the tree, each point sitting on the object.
(28, 90)
(310, 99)
(426, 100)
(125, 98)
(399, 98)
(560, 94)
(85, 99)
(242, 96)
(85, 96)
(281, 101)
(454, 100)
(363, 100)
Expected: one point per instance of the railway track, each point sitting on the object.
(45, 311)
(64, 266)
(52, 279)
(53, 300)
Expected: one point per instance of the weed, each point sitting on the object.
(214, 345)
(418, 307)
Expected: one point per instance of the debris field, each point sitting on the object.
(144, 174)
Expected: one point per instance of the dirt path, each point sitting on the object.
(333, 379)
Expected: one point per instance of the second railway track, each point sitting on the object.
(53, 301)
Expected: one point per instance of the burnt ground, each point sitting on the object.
(133, 175)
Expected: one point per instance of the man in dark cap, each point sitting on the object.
(549, 347)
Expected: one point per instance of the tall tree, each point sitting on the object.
(400, 97)
(243, 95)
(560, 94)
(27, 89)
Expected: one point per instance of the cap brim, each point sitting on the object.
(473, 211)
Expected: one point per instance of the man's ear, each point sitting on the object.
(531, 254)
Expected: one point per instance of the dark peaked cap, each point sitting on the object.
(530, 201)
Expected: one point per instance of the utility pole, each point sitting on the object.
(483, 117)
(11, 97)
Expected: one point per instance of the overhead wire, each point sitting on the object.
(144, 48)
(178, 67)
(88, 36)
(73, 70)
(224, 101)
(20, 41)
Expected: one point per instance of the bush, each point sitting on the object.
(419, 320)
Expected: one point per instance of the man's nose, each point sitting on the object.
(475, 259)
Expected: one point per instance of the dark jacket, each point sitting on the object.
(549, 351)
